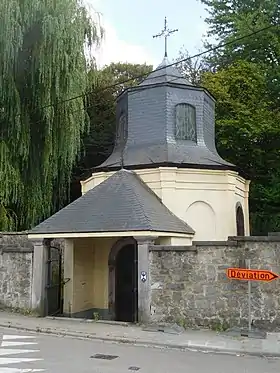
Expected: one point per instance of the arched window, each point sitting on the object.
(240, 229)
(185, 122)
(121, 129)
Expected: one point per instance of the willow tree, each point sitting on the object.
(43, 77)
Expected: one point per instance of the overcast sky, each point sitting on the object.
(130, 26)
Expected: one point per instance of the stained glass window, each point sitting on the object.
(185, 126)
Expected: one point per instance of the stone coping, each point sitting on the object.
(165, 248)
(215, 243)
(13, 249)
(271, 238)
(24, 233)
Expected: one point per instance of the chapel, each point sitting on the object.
(164, 184)
(166, 135)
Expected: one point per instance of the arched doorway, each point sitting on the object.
(240, 228)
(123, 281)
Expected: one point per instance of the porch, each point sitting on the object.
(107, 235)
(104, 278)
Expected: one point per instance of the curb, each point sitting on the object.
(187, 346)
(90, 321)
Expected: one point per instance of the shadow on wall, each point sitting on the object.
(201, 217)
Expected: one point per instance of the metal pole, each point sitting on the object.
(165, 45)
(249, 300)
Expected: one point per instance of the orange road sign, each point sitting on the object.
(251, 274)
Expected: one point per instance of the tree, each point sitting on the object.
(125, 75)
(98, 142)
(248, 135)
(231, 19)
(106, 85)
(191, 68)
(42, 67)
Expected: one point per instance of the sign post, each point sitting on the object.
(249, 298)
(249, 275)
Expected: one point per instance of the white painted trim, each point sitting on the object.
(163, 170)
(110, 234)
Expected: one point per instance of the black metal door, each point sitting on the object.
(126, 289)
(135, 285)
(54, 281)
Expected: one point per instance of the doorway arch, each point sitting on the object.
(123, 281)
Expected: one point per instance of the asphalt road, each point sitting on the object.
(60, 354)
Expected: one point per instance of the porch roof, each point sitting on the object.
(122, 203)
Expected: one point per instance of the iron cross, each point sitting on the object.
(165, 32)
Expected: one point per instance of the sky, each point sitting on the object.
(130, 25)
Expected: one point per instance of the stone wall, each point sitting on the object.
(189, 284)
(16, 259)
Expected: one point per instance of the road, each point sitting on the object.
(61, 354)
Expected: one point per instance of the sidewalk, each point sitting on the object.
(201, 340)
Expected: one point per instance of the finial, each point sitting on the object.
(166, 33)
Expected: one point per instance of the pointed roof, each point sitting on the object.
(165, 73)
(121, 203)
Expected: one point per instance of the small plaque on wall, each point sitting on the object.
(143, 276)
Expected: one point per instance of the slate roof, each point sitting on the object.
(121, 203)
(188, 154)
(151, 121)
(165, 74)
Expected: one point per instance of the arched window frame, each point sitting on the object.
(185, 122)
(121, 134)
(240, 221)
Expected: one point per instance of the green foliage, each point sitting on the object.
(119, 73)
(248, 96)
(42, 64)
(191, 68)
(230, 20)
(96, 316)
(8, 219)
(248, 135)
